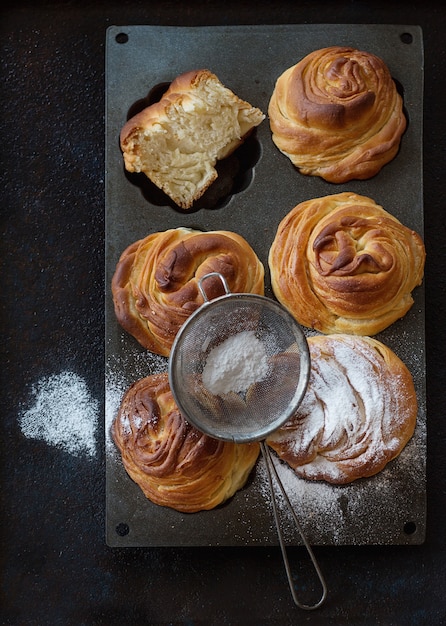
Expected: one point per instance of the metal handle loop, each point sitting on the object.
(271, 469)
(203, 278)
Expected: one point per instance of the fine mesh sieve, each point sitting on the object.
(259, 365)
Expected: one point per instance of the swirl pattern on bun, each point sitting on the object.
(358, 413)
(174, 464)
(342, 264)
(155, 284)
(337, 114)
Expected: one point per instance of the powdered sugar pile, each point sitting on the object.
(235, 364)
(64, 414)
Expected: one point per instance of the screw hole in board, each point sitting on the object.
(410, 528)
(406, 38)
(121, 38)
(122, 529)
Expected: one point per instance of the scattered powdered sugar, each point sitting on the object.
(64, 414)
(235, 364)
(316, 504)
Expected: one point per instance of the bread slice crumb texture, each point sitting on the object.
(177, 141)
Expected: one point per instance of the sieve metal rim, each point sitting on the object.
(301, 387)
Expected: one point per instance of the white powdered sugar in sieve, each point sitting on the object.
(235, 364)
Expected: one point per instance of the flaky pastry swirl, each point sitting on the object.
(174, 464)
(337, 114)
(155, 284)
(341, 263)
(358, 413)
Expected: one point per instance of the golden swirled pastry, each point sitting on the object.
(155, 284)
(173, 463)
(358, 413)
(337, 114)
(342, 264)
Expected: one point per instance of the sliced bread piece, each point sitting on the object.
(177, 141)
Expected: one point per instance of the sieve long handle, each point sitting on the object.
(271, 470)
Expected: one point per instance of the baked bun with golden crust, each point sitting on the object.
(155, 283)
(342, 264)
(174, 464)
(337, 114)
(177, 141)
(358, 413)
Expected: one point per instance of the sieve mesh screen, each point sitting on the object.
(265, 377)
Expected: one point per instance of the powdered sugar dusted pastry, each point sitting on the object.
(341, 263)
(358, 413)
(155, 284)
(173, 463)
(337, 114)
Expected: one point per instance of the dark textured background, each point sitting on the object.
(56, 568)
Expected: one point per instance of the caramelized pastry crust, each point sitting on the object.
(337, 114)
(342, 263)
(173, 463)
(155, 284)
(358, 413)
